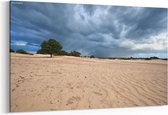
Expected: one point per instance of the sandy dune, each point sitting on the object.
(60, 83)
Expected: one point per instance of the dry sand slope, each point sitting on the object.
(59, 83)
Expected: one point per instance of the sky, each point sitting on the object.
(99, 30)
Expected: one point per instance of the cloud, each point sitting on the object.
(158, 42)
(19, 43)
(98, 30)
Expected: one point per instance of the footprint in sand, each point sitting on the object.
(13, 89)
(51, 102)
(21, 77)
(17, 85)
(69, 85)
(73, 99)
(31, 76)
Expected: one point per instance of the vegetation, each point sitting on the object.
(165, 59)
(22, 51)
(53, 47)
(133, 58)
(75, 53)
(154, 57)
(62, 52)
(92, 56)
(50, 47)
(11, 50)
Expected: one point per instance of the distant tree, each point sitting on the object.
(92, 56)
(21, 51)
(75, 53)
(11, 50)
(154, 57)
(50, 47)
(164, 58)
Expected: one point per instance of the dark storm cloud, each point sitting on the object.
(152, 21)
(90, 29)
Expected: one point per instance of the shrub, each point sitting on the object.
(75, 53)
(154, 57)
(92, 56)
(21, 51)
(11, 50)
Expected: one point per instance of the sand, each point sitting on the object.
(39, 83)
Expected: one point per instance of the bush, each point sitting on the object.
(147, 58)
(92, 56)
(62, 52)
(11, 50)
(75, 53)
(21, 51)
(154, 57)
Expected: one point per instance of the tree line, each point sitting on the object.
(21, 51)
(51, 47)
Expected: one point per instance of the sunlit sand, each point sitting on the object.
(64, 82)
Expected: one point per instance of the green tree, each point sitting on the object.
(50, 47)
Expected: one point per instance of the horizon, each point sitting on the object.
(99, 30)
(89, 56)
